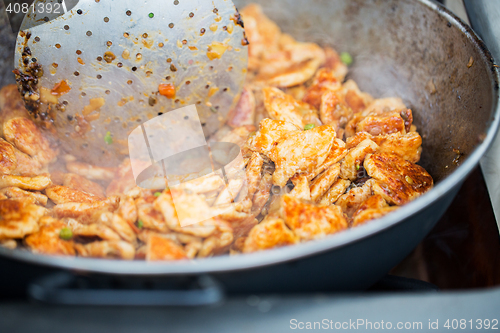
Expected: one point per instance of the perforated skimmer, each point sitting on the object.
(95, 73)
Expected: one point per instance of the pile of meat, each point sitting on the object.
(320, 157)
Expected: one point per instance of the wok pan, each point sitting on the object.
(416, 50)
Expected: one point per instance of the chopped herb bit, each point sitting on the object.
(346, 58)
(157, 194)
(151, 15)
(108, 139)
(140, 224)
(357, 167)
(214, 110)
(309, 126)
(66, 234)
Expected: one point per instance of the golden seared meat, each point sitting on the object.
(398, 181)
(35, 198)
(162, 248)
(63, 194)
(301, 151)
(310, 221)
(48, 240)
(270, 131)
(80, 183)
(270, 233)
(106, 250)
(25, 136)
(318, 156)
(19, 218)
(38, 183)
(84, 212)
(244, 112)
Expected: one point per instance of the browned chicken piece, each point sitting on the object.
(160, 248)
(80, 183)
(355, 98)
(324, 181)
(325, 80)
(354, 159)
(85, 212)
(385, 105)
(63, 194)
(11, 105)
(386, 123)
(301, 151)
(8, 161)
(230, 192)
(38, 183)
(354, 198)
(91, 172)
(95, 230)
(334, 192)
(334, 110)
(261, 196)
(296, 74)
(124, 180)
(310, 221)
(243, 226)
(334, 64)
(193, 248)
(337, 153)
(371, 214)
(398, 181)
(270, 233)
(374, 202)
(128, 210)
(253, 173)
(406, 146)
(19, 218)
(301, 189)
(106, 250)
(47, 241)
(27, 166)
(262, 34)
(150, 217)
(25, 136)
(8, 244)
(244, 112)
(205, 184)
(219, 242)
(31, 197)
(270, 131)
(238, 135)
(281, 106)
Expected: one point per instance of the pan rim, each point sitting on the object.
(303, 250)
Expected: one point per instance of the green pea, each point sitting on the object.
(346, 58)
(157, 194)
(108, 139)
(140, 224)
(151, 15)
(66, 234)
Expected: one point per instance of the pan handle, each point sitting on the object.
(63, 288)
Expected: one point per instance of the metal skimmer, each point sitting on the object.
(95, 73)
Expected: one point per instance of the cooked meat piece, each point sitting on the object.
(25, 136)
(292, 76)
(270, 233)
(95, 230)
(124, 180)
(261, 196)
(8, 161)
(325, 80)
(193, 248)
(374, 202)
(91, 172)
(38, 183)
(301, 189)
(106, 250)
(334, 64)
(27, 166)
(230, 192)
(253, 173)
(218, 242)
(337, 153)
(398, 181)
(8, 244)
(355, 98)
(244, 112)
(384, 105)
(281, 106)
(354, 159)
(371, 214)
(48, 241)
(310, 221)
(334, 110)
(19, 218)
(128, 210)
(352, 200)
(85, 212)
(324, 181)
(386, 123)
(63, 194)
(11, 105)
(243, 226)
(301, 151)
(205, 184)
(80, 183)
(31, 197)
(159, 248)
(335, 192)
(270, 131)
(150, 217)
